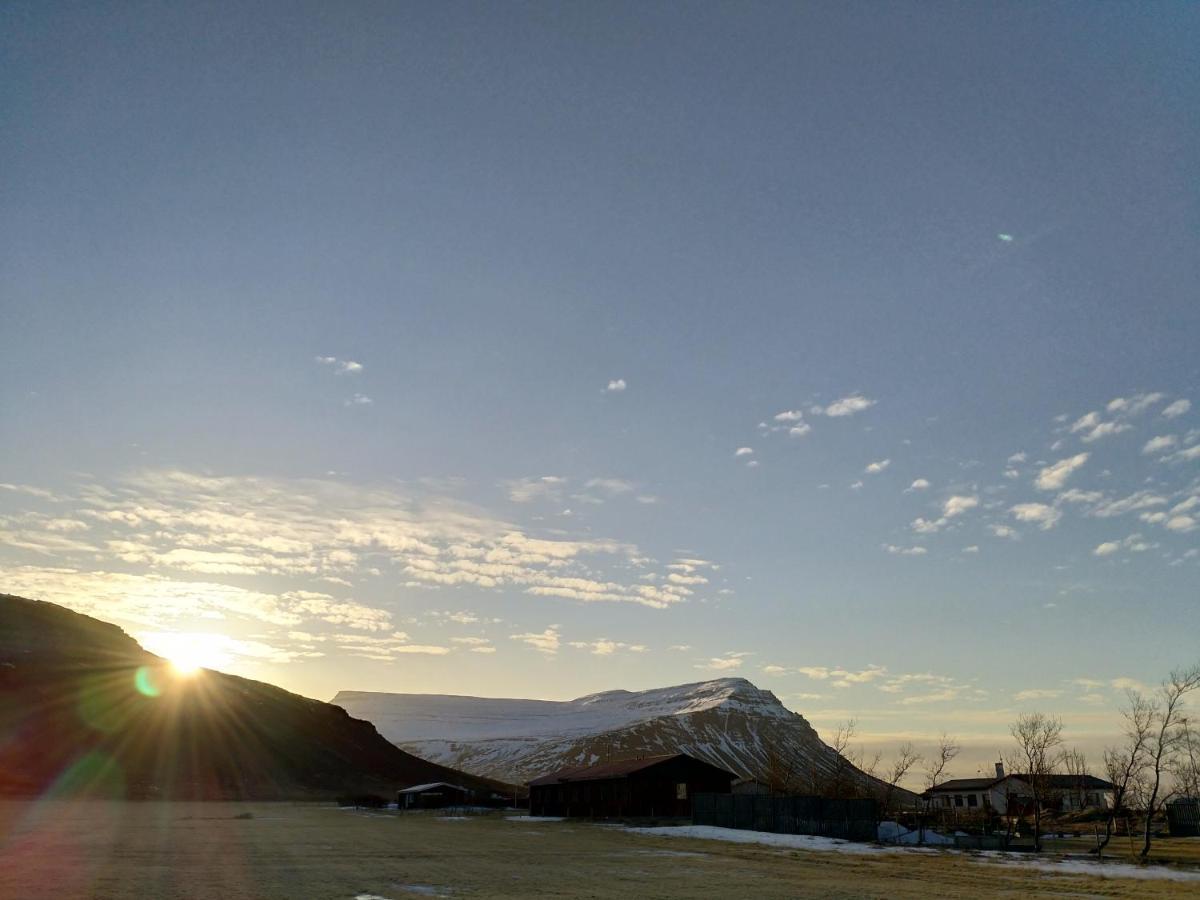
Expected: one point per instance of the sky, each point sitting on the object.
(542, 349)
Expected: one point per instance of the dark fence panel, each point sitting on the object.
(852, 820)
(1183, 817)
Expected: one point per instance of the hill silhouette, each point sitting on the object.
(84, 709)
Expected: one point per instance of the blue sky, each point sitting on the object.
(322, 325)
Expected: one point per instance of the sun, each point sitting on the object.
(188, 653)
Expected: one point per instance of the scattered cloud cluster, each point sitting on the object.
(340, 366)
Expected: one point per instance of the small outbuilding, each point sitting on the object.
(436, 795)
(645, 786)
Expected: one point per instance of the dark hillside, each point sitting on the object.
(84, 709)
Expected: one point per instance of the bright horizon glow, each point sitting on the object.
(188, 652)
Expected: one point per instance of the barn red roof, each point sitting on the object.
(600, 771)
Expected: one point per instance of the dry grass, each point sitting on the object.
(192, 850)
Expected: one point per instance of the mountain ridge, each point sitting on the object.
(729, 722)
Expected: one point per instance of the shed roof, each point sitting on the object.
(422, 788)
(618, 769)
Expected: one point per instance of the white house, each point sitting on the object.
(998, 794)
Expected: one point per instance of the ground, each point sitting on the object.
(171, 851)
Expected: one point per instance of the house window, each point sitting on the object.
(681, 791)
(958, 799)
(972, 799)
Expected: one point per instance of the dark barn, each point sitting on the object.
(649, 786)
(438, 795)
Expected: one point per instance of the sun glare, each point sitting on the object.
(188, 653)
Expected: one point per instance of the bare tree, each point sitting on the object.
(1187, 769)
(840, 743)
(906, 758)
(1165, 741)
(935, 772)
(1123, 764)
(1038, 738)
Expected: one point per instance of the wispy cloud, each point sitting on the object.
(725, 662)
(340, 366)
(1044, 516)
(1176, 409)
(1053, 477)
(878, 466)
(547, 641)
(615, 386)
(847, 406)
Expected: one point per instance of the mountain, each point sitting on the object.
(84, 709)
(727, 721)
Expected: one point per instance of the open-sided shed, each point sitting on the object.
(646, 786)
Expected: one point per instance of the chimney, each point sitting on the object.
(999, 770)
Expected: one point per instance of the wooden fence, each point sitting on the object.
(852, 820)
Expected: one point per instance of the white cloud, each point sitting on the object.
(605, 647)
(1052, 478)
(1131, 503)
(744, 451)
(1181, 523)
(974, 548)
(1176, 409)
(876, 467)
(174, 521)
(1160, 443)
(1036, 694)
(958, 504)
(1017, 458)
(1135, 404)
(615, 386)
(905, 551)
(724, 663)
(343, 366)
(1086, 422)
(612, 486)
(1004, 531)
(527, 490)
(359, 400)
(1104, 429)
(1045, 516)
(1074, 495)
(1191, 454)
(789, 415)
(1108, 548)
(921, 484)
(800, 430)
(547, 641)
(847, 406)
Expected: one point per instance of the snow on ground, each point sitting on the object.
(833, 845)
(895, 833)
(1094, 868)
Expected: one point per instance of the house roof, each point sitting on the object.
(422, 788)
(618, 769)
(966, 784)
(1054, 782)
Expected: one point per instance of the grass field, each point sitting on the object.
(66, 850)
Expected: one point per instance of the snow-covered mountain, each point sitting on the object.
(727, 721)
